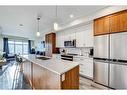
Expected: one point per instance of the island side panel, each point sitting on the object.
(45, 79)
(27, 70)
(70, 79)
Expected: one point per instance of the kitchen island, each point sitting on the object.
(49, 73)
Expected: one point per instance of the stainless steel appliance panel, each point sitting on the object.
(101, 46)
(118, 46)
(101, 72)
(118, 76)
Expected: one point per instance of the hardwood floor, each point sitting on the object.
(86, 84)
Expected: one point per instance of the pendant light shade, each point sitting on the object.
(55, 24)
(38, 33)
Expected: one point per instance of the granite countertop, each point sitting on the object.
(54, 65)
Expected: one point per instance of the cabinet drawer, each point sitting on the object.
(82, 68)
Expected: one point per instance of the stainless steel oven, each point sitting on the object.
(67, 57)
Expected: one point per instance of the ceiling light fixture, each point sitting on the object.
(38, 33)
(71, 16)
(55, 23)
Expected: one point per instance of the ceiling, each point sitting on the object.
(12, 16)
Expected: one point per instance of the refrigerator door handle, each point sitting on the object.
(118, 63)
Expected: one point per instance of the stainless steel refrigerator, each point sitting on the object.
(110, 60)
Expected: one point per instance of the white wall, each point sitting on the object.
(1, 43)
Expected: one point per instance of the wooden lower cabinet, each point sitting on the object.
(27, 70)
(44, 79)
(41, 78)
(71, 79)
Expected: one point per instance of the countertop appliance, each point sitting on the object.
(110, 60)
(91, 52)
(71, 43)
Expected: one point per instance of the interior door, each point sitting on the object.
(118, 76)
(101, 46)
(118, 46)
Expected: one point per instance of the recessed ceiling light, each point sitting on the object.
(71, 15)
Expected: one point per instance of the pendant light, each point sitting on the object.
(38, 33)
(55, 23)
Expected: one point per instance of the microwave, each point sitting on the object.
(71, 43)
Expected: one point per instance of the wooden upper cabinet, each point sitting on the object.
(50, 40)
(113, 23)
(118, 22)
(101, 26)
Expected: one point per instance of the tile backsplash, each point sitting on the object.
(80, 51)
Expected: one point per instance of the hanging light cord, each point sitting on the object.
(38, 23)
(56, 12)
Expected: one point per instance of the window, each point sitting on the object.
(11, 46)
(18, 47)
(25, 47)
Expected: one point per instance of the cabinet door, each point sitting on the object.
(118, 22)
(118, 46)
(101, 26)
(50, 44)
(80, 39)
(118, 77)
(101, 72)
(87, 68)
(47, 53)
(27, 71)
(60, 39)
(73, 36)
(57, 40)
(88, 35)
